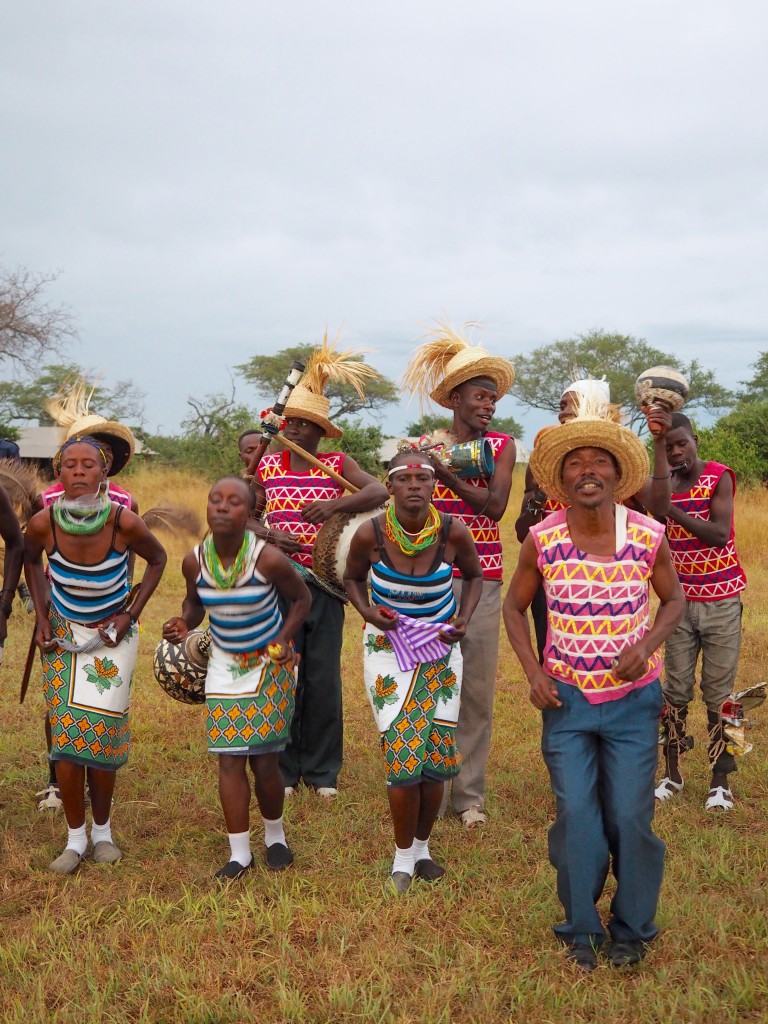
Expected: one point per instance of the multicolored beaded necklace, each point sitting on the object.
(226, 579)
(424, 538)
(82, 525)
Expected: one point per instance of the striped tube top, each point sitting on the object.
(429, 597)
(246, 617)
(88, 593)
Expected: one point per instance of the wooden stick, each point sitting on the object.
(28, 665)
(314, 461)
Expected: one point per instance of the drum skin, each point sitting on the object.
(329, 554)
(181, 668)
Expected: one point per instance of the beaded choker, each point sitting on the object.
(91, 522)
(226, 579)
(424, 538)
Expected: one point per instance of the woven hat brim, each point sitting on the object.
(314, 417)
(626, 447)
(117, 435)
(469, 365)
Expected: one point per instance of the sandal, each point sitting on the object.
(473, 817)
(719, 799)
(666, 789)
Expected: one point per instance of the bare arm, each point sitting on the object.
(632, 661)
(35, 540)
(138, 538)
(531, 508)
(655, 494)
(14, 557)
(192, 610)
(371, 494)
(491, 502)
(358, 565)
(522, 589)
(716, 530)
(278, 568)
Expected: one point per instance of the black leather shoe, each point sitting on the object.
(626, 953)
(232, 870)
(428, 870)
(582, 956)
(279, 857)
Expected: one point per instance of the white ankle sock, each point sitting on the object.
(240, 847)
(421, 849)
(77, 840)
(274, 832)
(403, 860)
(101, 833)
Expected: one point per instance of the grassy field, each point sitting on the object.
(153, 939)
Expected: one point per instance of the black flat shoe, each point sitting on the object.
(428, 870)
(279, 857)
(626, 953)
(232, 870)
(400, 881)
(582, 956)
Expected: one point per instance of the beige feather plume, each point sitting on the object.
(326, 363)
(173, 518)
(21, 484)
(71, 404)
(428, 363)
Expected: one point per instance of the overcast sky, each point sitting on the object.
(219, 180)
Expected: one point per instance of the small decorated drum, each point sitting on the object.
(472, 459)
(332, 543)
(181, 668)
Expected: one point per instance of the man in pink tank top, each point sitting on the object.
(598, 688)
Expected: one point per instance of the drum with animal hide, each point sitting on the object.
(181, 668)
(329, 554)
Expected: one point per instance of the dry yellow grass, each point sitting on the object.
(152, 940)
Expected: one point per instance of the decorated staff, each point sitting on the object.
(299, 494)
(412, 658)
(469, 381)
(271, 419)
(88, 635)
(250, 683)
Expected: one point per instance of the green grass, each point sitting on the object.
(153, 940)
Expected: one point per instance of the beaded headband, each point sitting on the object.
(78, 440)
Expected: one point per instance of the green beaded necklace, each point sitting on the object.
(226, 579)
(81, 525)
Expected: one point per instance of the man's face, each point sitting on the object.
(303, 432)
(569, 406)
(589, 476)
(682, 450)
(411, 486)
(474, 403)
(248, 446)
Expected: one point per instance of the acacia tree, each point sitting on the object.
(543, 374)
(30, 327)
(25, 400)
(268, 373)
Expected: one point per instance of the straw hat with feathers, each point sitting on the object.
(327, 364)
(447, 360)
(589, 429)
(70, 410)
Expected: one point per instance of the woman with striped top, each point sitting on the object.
(412, 660)
(87, 632)
(250, 688)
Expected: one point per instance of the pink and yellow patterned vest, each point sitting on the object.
(596, 604)
(485, 531)
(288, 492)
(706, 574)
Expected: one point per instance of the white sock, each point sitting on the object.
(421, 849)
(101, 833)
(77, 840)
(273, 831)
(240, 847)
(403, 860)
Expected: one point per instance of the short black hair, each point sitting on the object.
(233, 479)
(679, 420)
(247, 433)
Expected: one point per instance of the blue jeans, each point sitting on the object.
(602, 761)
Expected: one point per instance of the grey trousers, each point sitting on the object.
(480, 650)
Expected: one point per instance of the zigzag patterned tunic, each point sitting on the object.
(706, 573)
(597, 605)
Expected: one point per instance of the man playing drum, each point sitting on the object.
(298, 498)
(469, 381)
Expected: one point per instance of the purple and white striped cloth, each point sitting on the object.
(414, 641)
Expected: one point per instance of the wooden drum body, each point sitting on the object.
(329, 554)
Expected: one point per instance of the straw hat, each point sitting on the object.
(662, 383)
(308, 401)
(70, 410)
(588, 430)
(447, 360)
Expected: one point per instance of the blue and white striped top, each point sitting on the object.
(428, 597)
(245, 618)
(88, 593)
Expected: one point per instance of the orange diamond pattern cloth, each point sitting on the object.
(255, 722)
